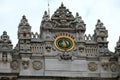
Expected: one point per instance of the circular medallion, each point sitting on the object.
(37, 65)
(113, 67)
(92, 66)
(14, 64)
(64, 43)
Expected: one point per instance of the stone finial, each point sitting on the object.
(45, 16)
(5, 36)
(24, 21)
(77, 14)
(78, 18)
(99, 23)
(62, 4)
(4, 33)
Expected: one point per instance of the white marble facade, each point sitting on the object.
(62, 51)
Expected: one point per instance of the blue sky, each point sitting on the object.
(108, 11)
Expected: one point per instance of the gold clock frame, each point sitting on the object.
(64, 37)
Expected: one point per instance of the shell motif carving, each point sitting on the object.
(37, 65)
(92, 66)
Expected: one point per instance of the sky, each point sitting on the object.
(108, 11)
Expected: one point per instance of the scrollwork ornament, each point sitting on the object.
(92, 66)
(37, 65)
(14, 64)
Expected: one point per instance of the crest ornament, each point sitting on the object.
(92, 66)
(64, 43)
(37, 65)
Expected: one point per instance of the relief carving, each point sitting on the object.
(105, 62)
(25, 64)
(37, 65)
(92, 66)
(113, 67)
(14, 64)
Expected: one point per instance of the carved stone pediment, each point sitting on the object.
(62, 16)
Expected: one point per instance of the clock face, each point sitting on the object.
(64, 43)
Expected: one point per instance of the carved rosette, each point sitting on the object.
(37, 65)
(113, 67)
(14, 65)
(92, 66)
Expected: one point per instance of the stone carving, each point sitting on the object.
(25, 64)
(99, 23)
(66, 56)
(78, 19)
(45, 16)
(14, 64)
(37, 65)
(92, 66)
(113, 67)
(105, 62)
(48, 48)
(62, 16)
(24, 21)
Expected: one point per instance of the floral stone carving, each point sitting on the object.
(37, 65)
(92, 66)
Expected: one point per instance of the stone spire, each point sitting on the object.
(24, 22)
(78, 18)
(5, 37)
(6, 48)
(99, 24)
(24, 25)
(45, 16)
